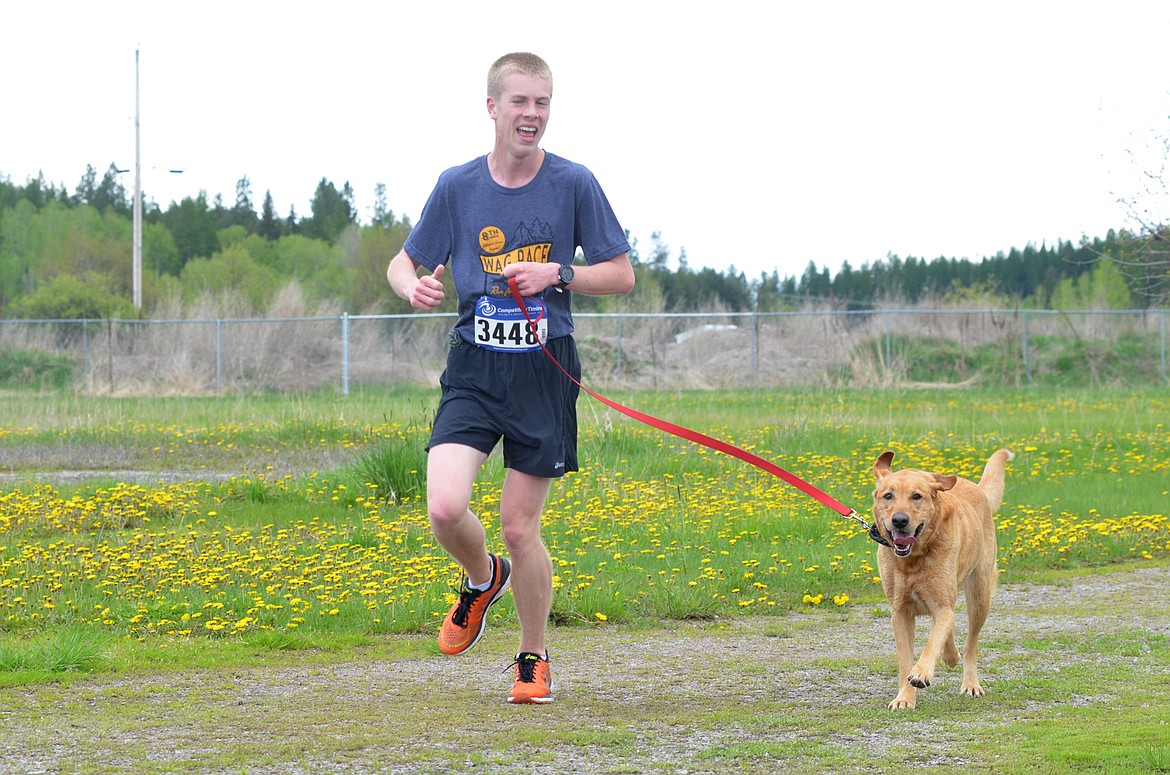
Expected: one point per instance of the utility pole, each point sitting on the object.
(137, 191)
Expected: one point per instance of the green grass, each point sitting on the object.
(61, 651)
(651, 526)
(308, 545)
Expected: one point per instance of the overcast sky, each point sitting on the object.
(752, 134)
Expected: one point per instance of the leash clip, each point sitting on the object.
(873, 531)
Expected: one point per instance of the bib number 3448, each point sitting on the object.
(500, 325)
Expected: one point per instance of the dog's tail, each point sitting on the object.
(991, 482)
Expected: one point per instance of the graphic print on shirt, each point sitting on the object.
(532, 242)
(499, 322)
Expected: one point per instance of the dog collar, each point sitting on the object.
(876, 535)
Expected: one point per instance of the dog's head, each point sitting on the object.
(905, 503)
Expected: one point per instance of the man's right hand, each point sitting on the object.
(428, 293)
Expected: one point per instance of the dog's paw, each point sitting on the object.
(950, 655)
(972, 690)
(901, 703)
(919, 680)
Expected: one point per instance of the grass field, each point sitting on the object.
(221, 534)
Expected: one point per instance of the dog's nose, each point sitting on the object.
(901, 521)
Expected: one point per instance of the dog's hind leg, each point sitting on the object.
(978, 594)
(950, 654)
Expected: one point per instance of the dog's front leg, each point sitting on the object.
(903, 623)
(942, 633)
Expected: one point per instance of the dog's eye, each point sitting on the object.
(916, 496)
(889, 496)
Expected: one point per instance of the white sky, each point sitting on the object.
(754, 134)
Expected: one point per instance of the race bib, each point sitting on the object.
(500, 325)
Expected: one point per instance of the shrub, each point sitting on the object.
(35, 369)
(67, 297)
(397, 468)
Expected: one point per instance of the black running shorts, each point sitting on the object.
(522, 398)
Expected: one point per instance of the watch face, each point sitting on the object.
(565, 275)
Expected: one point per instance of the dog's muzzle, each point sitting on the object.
(903, 541)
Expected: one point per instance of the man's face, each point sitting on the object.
(521, 113)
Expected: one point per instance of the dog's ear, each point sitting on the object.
(942, 483)
(882, 466)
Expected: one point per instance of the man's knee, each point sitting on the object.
(521, 537)
(446, 516)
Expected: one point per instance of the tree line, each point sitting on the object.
(67, 255)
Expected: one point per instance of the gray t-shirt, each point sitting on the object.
(481, 227)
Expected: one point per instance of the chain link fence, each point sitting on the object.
(618, 350)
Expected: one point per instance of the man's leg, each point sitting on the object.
(521, 505)
(451, 472)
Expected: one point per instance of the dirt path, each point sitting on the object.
(792, 693)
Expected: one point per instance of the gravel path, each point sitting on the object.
(629, 700)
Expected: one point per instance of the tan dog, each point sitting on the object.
(941, 537)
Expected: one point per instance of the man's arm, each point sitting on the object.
(426, 292)
(606, 278)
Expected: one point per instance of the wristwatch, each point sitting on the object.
(564, 275)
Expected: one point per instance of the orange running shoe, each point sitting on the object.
(463, 626)
(533, 680)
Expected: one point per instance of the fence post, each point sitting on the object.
(1163, 328)
(619, 348)
(889, 355)
(1027, 348)
(110, 353)
(345, 353)
(218, 351)
(85, 354)
(755, 344)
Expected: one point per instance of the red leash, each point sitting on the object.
(695, 436)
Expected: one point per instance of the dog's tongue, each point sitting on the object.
(903, 541)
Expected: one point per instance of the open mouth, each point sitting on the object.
(904, 543)
(527, 132)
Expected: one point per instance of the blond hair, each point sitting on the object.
(519, 62)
